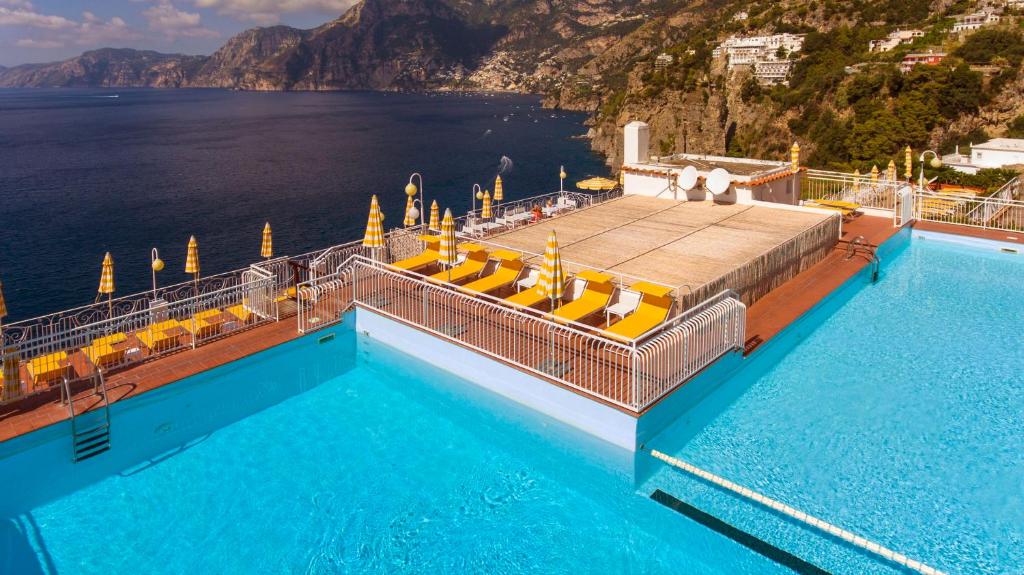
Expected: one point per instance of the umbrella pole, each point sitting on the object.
(110, 305)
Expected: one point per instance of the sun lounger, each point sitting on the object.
(430, 254)
(529, 281)
(241, 312)
(102, 351)
(510, 267)
(202, 324)
(846, 212)
(653, 309)
(838, 204)
(595, 296)
(160, 336)
(476, 259)
(49, 368)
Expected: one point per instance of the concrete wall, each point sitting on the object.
(590, 416)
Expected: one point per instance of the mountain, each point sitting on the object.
(850, 107)
(107, 67)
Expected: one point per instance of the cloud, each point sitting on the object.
(39, 44)
(269, 11)
(173, 23)
(28, 17)
(54, 31)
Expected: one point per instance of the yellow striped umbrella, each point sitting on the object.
(107, 281)
(890, 172)
(435, 217)
(551, 281)
(409, 220)
(3, 304)
(794, 158)
(267, 249)
(908, 165)
(448, 249)
(485, 212)
(856, 181)
(874, 174)
(499, 190)
(374, 237)
(192, 261)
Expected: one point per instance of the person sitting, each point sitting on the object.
(537, 213)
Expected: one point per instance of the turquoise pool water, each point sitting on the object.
(305, 460)
(894, 412)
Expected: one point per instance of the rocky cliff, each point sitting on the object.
(107, 67)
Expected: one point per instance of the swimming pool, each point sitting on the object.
(892, 411)
(347, 457)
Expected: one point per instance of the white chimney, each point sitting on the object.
(636, 143)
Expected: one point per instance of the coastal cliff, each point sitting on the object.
(653, 60)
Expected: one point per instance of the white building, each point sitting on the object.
(773, 72)
(666, 177)
(969, 22)
(663, 61)
(742, 15)
(745, 51)
(895, 39)
(997, 153)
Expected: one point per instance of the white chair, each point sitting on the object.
(529, 281)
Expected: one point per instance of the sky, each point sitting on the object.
(51, 30)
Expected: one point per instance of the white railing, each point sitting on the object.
(838, 186)
(516, 213)
(632, 376)
(1003, 210)
(39, 353)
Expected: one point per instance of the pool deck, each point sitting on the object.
(765, 318)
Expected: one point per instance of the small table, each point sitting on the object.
(621, 309)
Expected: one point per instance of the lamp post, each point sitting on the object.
(411, 190)
(156, 264)
(478, 194)
(561, 178)
(935, 163)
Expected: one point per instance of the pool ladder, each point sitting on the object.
(94, 438)
(860, 245)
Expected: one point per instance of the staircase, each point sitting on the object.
(90, 430)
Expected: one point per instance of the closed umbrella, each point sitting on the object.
(192, 261)
(448, 249)
(107, 283)
(551, 280)
(499, 190)
(485, 212)
(435, 217)
(374, 238)
(908, 166)
(267, 248)
(409, 220)
(3, 311)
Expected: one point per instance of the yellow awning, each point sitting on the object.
(656, 290)
(597, 184)
(594, 276)
(505, 255)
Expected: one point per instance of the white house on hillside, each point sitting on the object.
(996, 153)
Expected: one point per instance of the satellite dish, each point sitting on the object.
(718, 181)
(688, 179)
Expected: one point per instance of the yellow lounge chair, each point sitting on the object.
(594, 298)
(241, 312)
(200, 325)
(430, 254)
(530, 297)
(838, 204)
(101, 351)
(290, 293)
(49, 368)
(846, 212)
(476, 259)
(160, 336)
(653, 309)
(510, 267)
